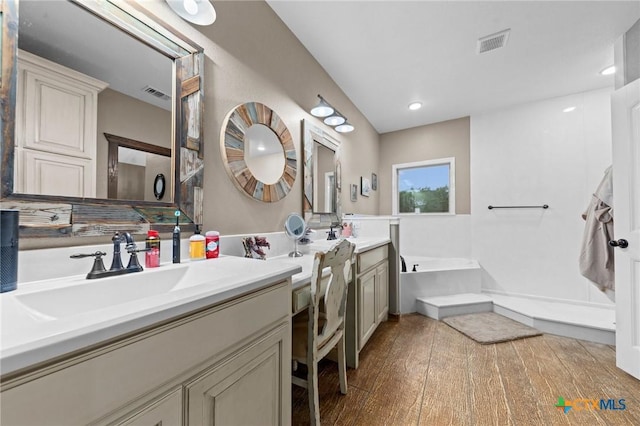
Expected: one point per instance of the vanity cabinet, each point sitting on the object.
(224, 364)
(368, 299)
(56, 129)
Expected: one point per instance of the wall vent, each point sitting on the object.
(493, 41)
(155, 92)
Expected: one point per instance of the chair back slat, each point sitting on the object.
(338, 259)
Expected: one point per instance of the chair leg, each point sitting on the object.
(314, 398)
(342, 366)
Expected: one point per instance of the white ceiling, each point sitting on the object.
(386, 54)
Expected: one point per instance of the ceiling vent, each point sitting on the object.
(155, 92)
(493, 41)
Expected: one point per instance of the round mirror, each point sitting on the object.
(267, 179)
(295, 227)
(263, 153)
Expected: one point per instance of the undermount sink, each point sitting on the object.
(79, 295)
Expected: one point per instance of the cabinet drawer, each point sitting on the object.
(302, 296)
(167, 410)
(371, 258)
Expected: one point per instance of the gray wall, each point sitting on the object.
(252, 56)
(440, 140)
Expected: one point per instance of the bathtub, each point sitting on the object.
(437, 276)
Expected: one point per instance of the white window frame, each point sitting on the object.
(451, 161)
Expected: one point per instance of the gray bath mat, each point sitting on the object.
(489, 327)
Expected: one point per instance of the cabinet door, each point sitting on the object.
(53, 174)
(382, 292)
(247, 388)
(366, 307)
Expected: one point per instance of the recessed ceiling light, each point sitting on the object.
(415, 105)
(569, 109)
(608, 70)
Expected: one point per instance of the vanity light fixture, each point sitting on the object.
(335, 119)
(331, 116)
(345, 127)
(199, 12)
(323, 109)
(413, 106)
(608, 70)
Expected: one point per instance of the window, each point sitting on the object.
(424, 187)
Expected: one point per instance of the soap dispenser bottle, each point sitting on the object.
(197, 245)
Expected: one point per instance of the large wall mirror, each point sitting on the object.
(258, 152)
(84, 71)
(322, 180)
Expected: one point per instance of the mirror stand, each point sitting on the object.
(295, 252)
(295, 229)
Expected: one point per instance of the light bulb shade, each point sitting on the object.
(202, 14)
(345, 127)
(323, 109)
(334, 120)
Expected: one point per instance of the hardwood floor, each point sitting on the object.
(420, 371)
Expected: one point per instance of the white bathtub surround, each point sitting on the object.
(436, 277)
(536, 154)
(436, 235)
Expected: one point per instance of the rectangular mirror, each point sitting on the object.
(86, 69)
(321, 175)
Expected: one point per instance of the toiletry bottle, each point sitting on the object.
(176, 239)
(152, 244)
(212, 240)
(197, 245)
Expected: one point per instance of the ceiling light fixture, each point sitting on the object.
(415, 106)
(331, 116)
(199, 12)
(569, 109)
(608, 70)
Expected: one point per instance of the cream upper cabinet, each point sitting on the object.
(56, 129)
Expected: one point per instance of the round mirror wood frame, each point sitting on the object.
(232, 146)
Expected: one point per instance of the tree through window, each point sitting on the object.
(424, 187)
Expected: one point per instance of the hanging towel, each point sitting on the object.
(596, 256)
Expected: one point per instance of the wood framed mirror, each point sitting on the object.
(322, 176)
(258, 152)
(53, 212)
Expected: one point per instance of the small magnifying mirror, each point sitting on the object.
(295, 228)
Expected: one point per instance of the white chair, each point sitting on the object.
(320, 329)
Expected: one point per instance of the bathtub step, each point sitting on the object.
(439, 307)
(589, 323)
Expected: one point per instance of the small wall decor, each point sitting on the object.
(159, 186)
(354, 192)
(365, 186)
(374, 181)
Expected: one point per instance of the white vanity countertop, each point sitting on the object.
(42, 320)
(306, 261)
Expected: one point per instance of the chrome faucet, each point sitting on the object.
(98, 270)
